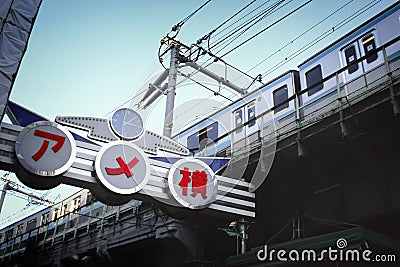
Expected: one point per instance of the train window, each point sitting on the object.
(210, 132)
(9, 233)
(64, 210)
(90, 198)
(194, 142)
(203, 135)
(31, 225)
(56, 214)
(77, 203)
(314, 77)
(45, 218)
(350, 55)
(60, 228)
(20, 228)
(251, 114)
(280, 95)
(369, 45)
(82, 219)
(72, 223)
(238, 120)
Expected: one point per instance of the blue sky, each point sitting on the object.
(88, 57)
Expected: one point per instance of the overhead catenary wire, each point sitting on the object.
(243, 28)
(215, 29)
(220, 40)
(216, 34)
(208, 35)
(261, 15)
(128, 99)
(214, 57)
(176, 28)
(300, 35)
(270, 9)
(322, 36)
(180, 24)
(204, 86)
(266, 28)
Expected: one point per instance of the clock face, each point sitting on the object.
(127, 124)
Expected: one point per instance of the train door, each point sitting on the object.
(252, 128)
(368, 43)
(244, 125)
(239, 131)
(374, 74)
(350, 54)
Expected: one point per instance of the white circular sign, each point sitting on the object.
(122, 167)
(45, 148)
(192, 183)
(127, 124)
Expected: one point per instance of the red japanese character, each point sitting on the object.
(124, 168)
(59, 139)
(199, 183)
(185, 180)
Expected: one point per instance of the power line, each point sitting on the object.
(301, 35)
(322, 36)
(261, 15)
(238, 20)
(208, 35)
(233, 35)
(266, 28)
(206, 87)
(176, 28)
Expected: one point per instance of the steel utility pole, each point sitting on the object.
(169, 107)
(3, 194)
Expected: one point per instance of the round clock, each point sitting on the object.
(127, 124)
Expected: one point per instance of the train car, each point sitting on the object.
(50, 219)
(345, 69)
(356, 77)
(228, 130)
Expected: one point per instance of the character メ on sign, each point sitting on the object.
(122, 167)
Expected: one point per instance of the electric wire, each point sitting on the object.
(242, 25)
(269, 10)
(321, 37)
(261, 13)
(216, 34)
(237, 33)
(300, 35)
(216, 93)
(208, 35)
(202, 85)
(266, 28)
(179, 25)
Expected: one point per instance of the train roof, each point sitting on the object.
(237, 100)
(392, 7)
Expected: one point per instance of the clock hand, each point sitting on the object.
(133, 119)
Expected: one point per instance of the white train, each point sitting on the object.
(74, 215)
(347, 69)
(55, 218)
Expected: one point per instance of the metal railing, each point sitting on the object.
(60, 229)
